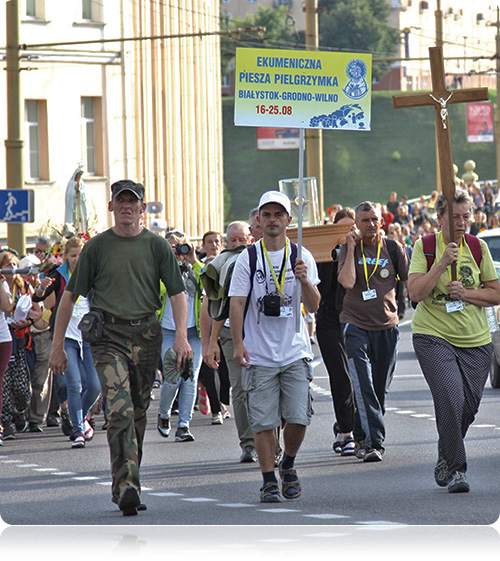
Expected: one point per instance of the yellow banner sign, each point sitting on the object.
(304, 89)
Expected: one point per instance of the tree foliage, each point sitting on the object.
(280, 32)
(359, 26)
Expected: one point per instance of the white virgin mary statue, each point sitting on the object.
(76, 207)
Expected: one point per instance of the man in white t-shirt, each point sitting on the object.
(276, 360)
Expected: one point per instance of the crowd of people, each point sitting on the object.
(218, 339)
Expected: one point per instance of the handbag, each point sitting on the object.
(91, 326)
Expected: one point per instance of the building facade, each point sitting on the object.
(148, 109)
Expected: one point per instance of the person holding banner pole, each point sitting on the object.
(276, 361)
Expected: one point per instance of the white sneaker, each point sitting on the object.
(88, 430)
(217, 419)
(79, 441)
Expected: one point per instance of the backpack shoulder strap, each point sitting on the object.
(392, 248)
(429, 247)
(475, 248)
(252, 259)
(293, 255)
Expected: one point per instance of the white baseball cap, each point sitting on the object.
(29, 260)
(275, 197)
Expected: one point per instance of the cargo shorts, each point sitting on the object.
(281, 393)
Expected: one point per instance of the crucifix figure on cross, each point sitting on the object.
(440, 97)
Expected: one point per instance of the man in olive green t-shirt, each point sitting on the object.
(120, 270)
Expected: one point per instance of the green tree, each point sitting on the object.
(359, 26)
(280, 32)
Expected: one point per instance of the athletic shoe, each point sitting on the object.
(21, 423)
(270, 493)
(34, 427)
(9, 432)
(348, 447)
(88, 430)
(458, 484)
(248, 455)
(79, 441)
(66, 424)
(441, 474)
(217, 419)
(226, 414)
(163, 426)
(182, 434)
(52, 421)
(372, 455)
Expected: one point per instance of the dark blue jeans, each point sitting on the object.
(372, 361)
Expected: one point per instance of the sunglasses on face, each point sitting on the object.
(174, 233)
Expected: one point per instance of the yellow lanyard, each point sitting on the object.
(281, 284)
(459, 257)
(364, 264)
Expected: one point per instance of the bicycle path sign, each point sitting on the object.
(17, 205)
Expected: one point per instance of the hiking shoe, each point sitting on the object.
(441, 474)
(217, 419)
(66, 424)
(79, 441)
(248, 455)
(270, 493)
(372, 455)
(129, 502)
(182, 434)
(290, 486)
(458, 484)
(163, 426)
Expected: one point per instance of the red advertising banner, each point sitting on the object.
(480, 125)
(278, 138)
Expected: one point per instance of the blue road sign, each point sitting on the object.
(17, 205)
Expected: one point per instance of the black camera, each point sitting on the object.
(272, 303)
(182, 248)
(336, 253)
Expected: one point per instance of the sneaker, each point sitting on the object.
(217, 419)
(163, 426)
(88, 430)
(9, 432)
(182, 434)
(226, 414)
(270, 493)
(34, 427)
(372, 455)
(248, 455)
(79, 441)
(53, 422)
(441, 473)
(348, 447)
(458, 484)
(21, 423)
(66, 424)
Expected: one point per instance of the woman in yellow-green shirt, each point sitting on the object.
(451, 336)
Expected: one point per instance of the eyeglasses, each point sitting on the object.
(174, 233)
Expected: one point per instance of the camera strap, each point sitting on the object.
(280, 285)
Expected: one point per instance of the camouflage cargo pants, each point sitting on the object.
(126, 360)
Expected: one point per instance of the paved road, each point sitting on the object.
(44, 481)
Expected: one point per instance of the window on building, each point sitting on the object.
(92, 10)
(35, 9)
(36, 135)
(92, 149)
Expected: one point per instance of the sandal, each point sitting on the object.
(291, 487)
(270, 493)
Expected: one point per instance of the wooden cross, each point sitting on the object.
(440, 97)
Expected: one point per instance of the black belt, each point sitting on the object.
(145, 319)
